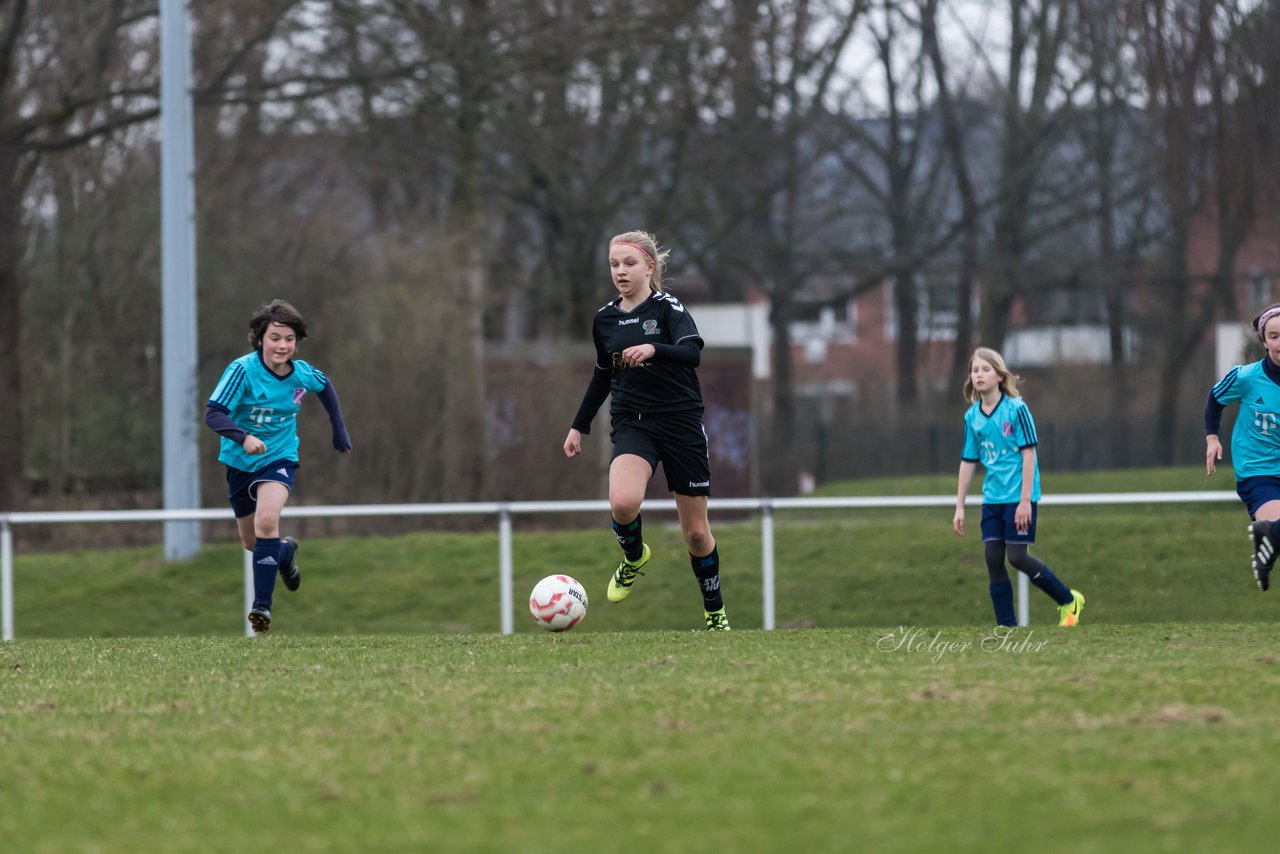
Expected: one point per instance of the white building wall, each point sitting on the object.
(737, 325)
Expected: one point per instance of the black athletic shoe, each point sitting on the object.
(289, 566)
(260, 619)
(1264, 552)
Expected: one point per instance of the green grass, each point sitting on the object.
(1171, 479)
(385, 713)
(1145, 738)
(1174, 562)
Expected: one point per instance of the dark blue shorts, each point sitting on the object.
(679, 441)
(1256, 491)
(242, 486)
(997, 523)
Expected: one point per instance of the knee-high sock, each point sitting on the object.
(1041, 576)
(630, 537)
(707, 571)
(266, 563)
(1002, 602)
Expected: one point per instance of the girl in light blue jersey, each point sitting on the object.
(1255, 440)
(999, 432)
(254, 409)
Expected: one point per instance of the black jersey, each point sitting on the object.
(654, 387)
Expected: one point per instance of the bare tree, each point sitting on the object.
(896, 159)
(66, 80)
(1118, 173)
(1193, 73)
(598, 126)
(1034, 93)
(758, 216)
(954, 140)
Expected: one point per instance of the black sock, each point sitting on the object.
(707, 571)
(630, 538)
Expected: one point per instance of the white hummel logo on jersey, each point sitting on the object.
(267, 561)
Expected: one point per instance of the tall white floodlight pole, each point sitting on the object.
(178, 280)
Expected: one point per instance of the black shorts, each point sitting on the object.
(242, 486)
(678, 441)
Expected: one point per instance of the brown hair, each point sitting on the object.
(276, 311)
(1008, 381)
(1263, 318)
(647, 244)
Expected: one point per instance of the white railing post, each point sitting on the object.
(248, 592)
(6, 581)
(505, 569)
(1024, 600)
(766, 562)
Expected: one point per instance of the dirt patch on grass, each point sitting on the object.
(1180, 713)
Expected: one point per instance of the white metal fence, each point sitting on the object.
(504, 511)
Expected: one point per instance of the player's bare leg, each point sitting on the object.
(628, 477)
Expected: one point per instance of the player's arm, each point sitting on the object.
(597, 391)
(217, 412)
(686, 353)
(218, 418)
(1212, 430)
(685, 349)
(1024, 431)
(592, 400)
(1022, 515)
(967, 468)
(329, 399)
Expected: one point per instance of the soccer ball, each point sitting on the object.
(558, 603)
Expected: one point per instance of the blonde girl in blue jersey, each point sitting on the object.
(1000, 433)
(1255, 440)
(254, 409)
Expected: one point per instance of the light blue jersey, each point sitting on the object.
(997, 440)
(266, 405)
(1255, 440)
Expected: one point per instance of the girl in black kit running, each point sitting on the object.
(647, 347)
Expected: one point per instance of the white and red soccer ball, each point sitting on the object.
(558, 603)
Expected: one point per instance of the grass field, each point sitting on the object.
(1179, 562)
(1157, 737)
(385, 713)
